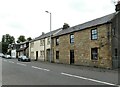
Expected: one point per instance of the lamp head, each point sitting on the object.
(47, 11)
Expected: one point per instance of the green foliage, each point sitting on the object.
(4, 47)
(6, 40)
(29, 38)
(21, 38)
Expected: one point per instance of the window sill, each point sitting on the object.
(72, 43)
(94, 60)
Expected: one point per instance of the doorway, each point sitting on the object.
(48, 54)
(36, 55)
(71, 56)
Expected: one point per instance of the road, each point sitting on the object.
(44, 73)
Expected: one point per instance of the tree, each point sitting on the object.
(6, 40)
(29, 38)
(21, 38)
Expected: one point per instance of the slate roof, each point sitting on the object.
(95, 22)
(22, 49)
(46, 35)
(22, 42)
(60, 31)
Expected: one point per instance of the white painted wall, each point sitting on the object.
(35, 48)
(46, 45)
(37, 45)
(31, 51)
(39, 48)
(13, 53)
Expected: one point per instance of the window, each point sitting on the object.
(40, 53)
(24, 45)
(21, 46)
(57, 54)
(57, 41)
(94, 53)
(94, 34)
(48, 41)
(72, 38)
(113, 30)
(42, 42)
(32, 45)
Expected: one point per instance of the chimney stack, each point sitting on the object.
(43, 33)
(118, 6)
(66, 26)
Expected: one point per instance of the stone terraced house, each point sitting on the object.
(94, 43)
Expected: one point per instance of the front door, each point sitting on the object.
(115, 59)
(36, 55)
(48, 54)
(71, 56)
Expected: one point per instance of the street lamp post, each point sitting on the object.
(50, 34)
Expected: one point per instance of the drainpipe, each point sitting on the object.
(44, 49)
(109, 39)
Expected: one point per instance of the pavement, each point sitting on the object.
(82, 67)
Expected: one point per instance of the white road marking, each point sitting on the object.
(21, 64)
(11, 62)
(40, 68)
(88, 79)
(46, 69)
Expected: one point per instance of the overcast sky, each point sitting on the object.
(28, 17)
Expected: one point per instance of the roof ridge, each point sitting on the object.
(94, 22)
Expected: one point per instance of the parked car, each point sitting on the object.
(24, 59)
(2, 55)
(7, 56)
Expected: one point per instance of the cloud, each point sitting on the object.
(15, 25)
(28, 17)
